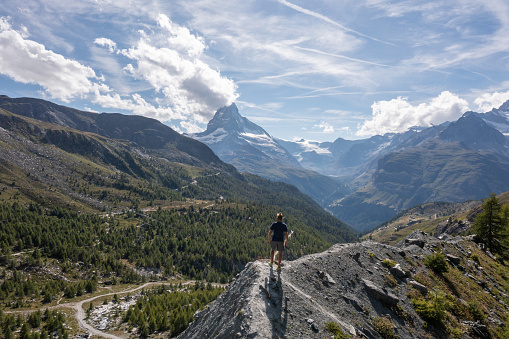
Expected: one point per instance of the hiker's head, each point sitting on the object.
(280, 216)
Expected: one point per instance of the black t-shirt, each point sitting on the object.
(279, 229)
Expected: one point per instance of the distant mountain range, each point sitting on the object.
(382, 175)
(248, 147)
(452, 162)
(56, 156)
(362, 182)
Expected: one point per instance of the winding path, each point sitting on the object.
(80, 314)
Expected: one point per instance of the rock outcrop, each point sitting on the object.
(348, 285)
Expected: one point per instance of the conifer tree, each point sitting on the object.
(491, 224)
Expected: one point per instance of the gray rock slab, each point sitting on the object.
(385, 297)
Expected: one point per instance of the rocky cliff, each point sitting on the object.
(366, 290)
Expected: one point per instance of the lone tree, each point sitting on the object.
(491, 225)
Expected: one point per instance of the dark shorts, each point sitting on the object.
(277, 245)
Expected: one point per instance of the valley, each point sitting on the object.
(153, 155)
(155, 226)
(368, 181)
(82, 211)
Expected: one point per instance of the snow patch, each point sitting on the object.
(214, 137)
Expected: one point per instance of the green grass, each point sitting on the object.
(437, 263)
(336, 330)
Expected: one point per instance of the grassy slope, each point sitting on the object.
(426, 218)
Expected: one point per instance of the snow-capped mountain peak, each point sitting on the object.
(497, 117)
(229, 119)
(231, 135)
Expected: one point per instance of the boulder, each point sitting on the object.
(314, 328)
(491, 255)
(354, 302)
(418, 286)
(454, 259)
(326, 278)
(397, 271)
(412, 241)
(385, 297)
(480, 330)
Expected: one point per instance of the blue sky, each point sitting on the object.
(316, 70)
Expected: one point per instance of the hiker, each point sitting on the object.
(279, 232)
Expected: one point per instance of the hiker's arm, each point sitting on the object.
(286, 235)
(270, 233)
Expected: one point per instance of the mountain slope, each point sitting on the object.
(466, 161)
(249, 148)
(145, 132)
(366, 290)
(55, 166)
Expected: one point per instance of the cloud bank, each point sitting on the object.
(398, 115)
(170, 62)
(168, 59)
(29, 62)
(325, 127)
(488, 101)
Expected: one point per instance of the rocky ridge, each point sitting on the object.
(367, 289)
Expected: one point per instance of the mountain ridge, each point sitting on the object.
(367, 290)
(145, 132)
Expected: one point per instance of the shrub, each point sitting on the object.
(388, 263)
(391, 281)
(437, 263)
(433, 310)
(475, 311)
(384, 327)
(336, 330)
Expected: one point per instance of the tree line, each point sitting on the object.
(210, 244)
(169, 308)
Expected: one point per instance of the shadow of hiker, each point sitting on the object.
(274, 304)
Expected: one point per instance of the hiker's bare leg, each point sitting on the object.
(280, 257)
(271, 256)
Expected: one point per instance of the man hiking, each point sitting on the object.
(279, 232)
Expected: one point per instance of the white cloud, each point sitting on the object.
(271, 48)
(29, 62)
(327, 128)
(191, 127)
(168, 59)
(173, 67)
(105, 42)
(177, 129)
(397, 115)
(488, 101)
(181, 39)
(105, 97)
